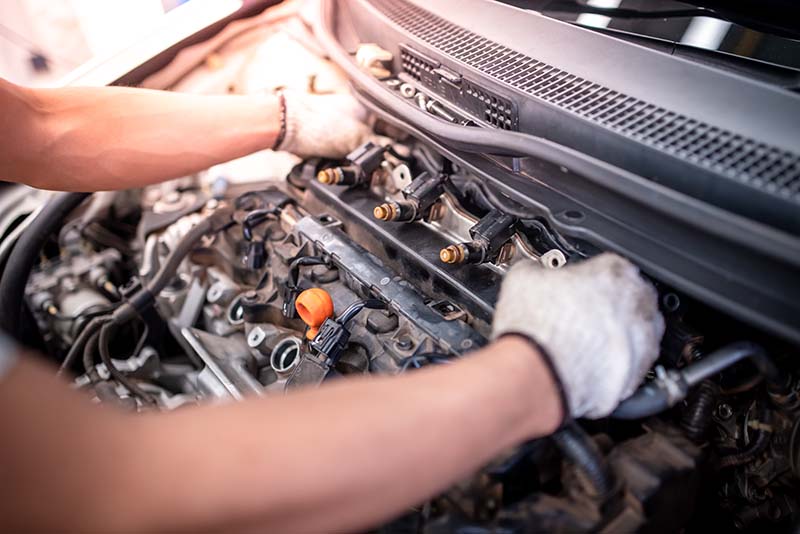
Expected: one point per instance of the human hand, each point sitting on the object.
(329, 125)
(597, 322)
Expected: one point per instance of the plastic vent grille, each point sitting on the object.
(415, 66)
(496, 111)
(751, 162)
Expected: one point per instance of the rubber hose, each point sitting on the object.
(116, 374)
(145, 296)
(579, 449)
(651, 399)
(80, 342)
(89, 353)
(697, 418)
(25, 254)
(723, 358)
(646, 401)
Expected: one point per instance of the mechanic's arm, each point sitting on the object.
(342, 457)
(89, 139)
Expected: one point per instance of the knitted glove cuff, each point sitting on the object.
(548, 361)
(288, 137)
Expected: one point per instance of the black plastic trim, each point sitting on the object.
(747, 161)
(742, 268)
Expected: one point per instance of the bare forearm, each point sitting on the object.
(59, 449)
(350, 454)
(338, 458)
(113, 138)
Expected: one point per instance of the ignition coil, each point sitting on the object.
(361, 163)
(420, 195)
(329, 335)
(488, 237)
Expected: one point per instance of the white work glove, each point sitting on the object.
(597, 321)
(330, 125)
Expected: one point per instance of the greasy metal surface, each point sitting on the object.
(415, 247)
(403, 299)
(225, 365)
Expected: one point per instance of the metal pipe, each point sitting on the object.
(671, 387)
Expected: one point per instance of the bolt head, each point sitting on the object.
(405, 343)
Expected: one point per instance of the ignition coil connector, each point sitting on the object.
(256, 256)
(489, 236)
(331, 340)
(332, 336)
(361, 163)
(420, 195)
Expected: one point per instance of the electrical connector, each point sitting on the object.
(361, 163)
(489, 236)
(420, 195)
(331, 340)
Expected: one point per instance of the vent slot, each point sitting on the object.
(494, 110)
(415, 66)
(748, 161)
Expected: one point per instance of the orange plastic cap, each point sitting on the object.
(314, 306)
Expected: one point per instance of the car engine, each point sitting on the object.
(385, 262)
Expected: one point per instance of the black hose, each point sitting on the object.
(579, 449)
(655, 397)
(89, 353)
(92, 327)
(646, 401)
(356, 307)
(697, 418)
(725, 357)
(25, 254)
(145, 296)
(116, 374)
(254, 218)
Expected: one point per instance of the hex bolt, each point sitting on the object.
(404, 342)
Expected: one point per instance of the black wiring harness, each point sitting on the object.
(95, 337)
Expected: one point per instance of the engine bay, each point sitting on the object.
(383, 263)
